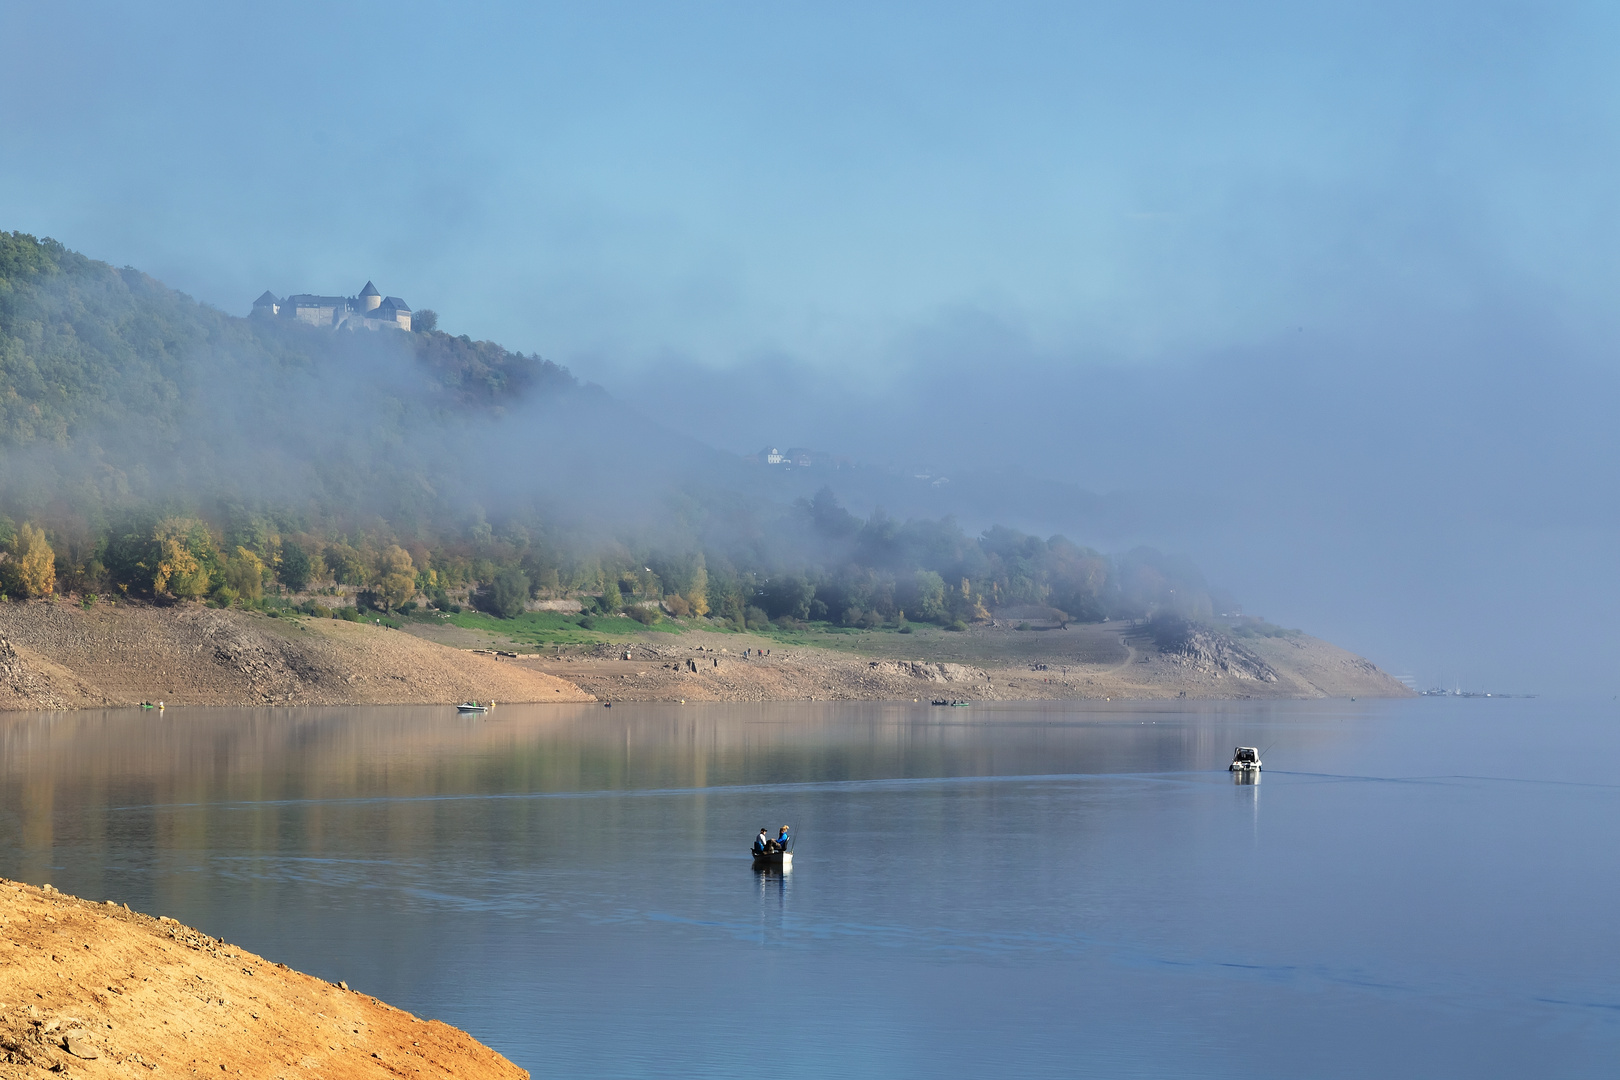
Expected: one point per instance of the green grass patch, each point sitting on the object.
(558, 628)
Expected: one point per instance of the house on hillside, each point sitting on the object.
(371, 310)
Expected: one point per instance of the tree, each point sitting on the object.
(244, 575)
(396, 577)
(35, 563)
(185, 558)
(612, 598)
(509, 593)
(425, 320)
(930, 599)
(294, 571)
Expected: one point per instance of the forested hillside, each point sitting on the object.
(156, 447)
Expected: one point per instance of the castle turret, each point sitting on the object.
(267, 304)
(370, 298)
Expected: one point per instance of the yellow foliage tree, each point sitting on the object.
(185, 556)
(35, 571)
(396, 577)
(244, 574)
(697, 593)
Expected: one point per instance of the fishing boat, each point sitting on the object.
(773, 860)
(1245, 759)
(472, 708)
(778, 853)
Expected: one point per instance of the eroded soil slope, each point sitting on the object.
(62, 656)
(95, 990)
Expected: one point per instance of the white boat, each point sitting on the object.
(1244, 759)
(471, 707)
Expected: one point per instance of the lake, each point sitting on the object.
(1413, 889)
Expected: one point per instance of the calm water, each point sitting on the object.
(1414, 889)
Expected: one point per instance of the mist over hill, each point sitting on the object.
(165, 448)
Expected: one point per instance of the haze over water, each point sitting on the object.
(1413, 889)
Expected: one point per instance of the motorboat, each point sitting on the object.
(1245, 759)
(472, 708)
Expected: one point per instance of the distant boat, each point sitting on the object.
(1245, 759)
(472, 707)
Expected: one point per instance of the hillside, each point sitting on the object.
(156, 449)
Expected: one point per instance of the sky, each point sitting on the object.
(1325, 290)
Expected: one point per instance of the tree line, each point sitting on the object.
(816, 563)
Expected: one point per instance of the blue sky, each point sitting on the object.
(1339, 279)
(723, 182)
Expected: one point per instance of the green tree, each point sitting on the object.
(509, 593)
(930, 597)
(612, 598)
(294, 569)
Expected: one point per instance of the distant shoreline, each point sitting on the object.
(63, 656)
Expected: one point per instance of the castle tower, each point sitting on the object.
(370, 298)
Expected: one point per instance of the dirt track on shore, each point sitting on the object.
(95, 990)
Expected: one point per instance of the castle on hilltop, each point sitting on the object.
(368, 311)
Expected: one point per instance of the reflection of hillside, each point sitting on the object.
(230, 819)
(197, 756)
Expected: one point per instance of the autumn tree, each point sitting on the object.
(396, 577)
(32, 564)
(244, 574)
(185, 558)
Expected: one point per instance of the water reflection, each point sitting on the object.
(1030, 890)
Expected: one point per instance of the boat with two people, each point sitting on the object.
(772, 854)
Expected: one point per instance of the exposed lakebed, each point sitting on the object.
(1414, 888)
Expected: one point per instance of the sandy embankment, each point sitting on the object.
(92, 990)
(57, 655)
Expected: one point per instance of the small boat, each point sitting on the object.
(472, 707)
(1244, 759)
(773, 860)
